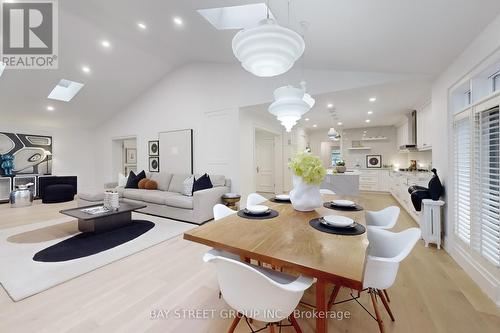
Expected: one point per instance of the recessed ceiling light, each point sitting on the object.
(178, 21)
(370, 112)
(329, 105)
(367, 120)
(364, 132)
(372, 99)
(307, 119)
(105, 43)
(141, 26)
(315, 125)
(86, 69)
(50, 108)
(339, 123)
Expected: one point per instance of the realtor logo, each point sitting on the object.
(29, 34)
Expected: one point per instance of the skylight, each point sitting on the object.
(2, 67)
(65, 90)
(236, 17)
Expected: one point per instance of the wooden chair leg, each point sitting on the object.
(387, 296)
(295, 324)
(235, 323)
(271, 328)
(386, 305)
(377, 313)
(333, 296)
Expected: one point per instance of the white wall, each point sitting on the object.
(322, 146)
(185, 97)
(72, 151)
(479, 52)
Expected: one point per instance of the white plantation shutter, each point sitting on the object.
(462, 162)
(487, 180)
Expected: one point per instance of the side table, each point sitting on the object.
(231, 200)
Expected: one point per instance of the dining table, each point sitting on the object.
(289, 242)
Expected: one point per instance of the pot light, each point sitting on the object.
(268, 49)
(367, 120)
(315, 125)
(141, 26)
(178, 21)
(105, 43)
(86, 69)
(372, 99)
(307, 119)
(50, 108)
(330, 105)
(370, 112)
(339, 123)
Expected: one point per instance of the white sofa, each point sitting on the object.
(167, 201)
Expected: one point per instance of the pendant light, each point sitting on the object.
(290, 104)
(332, 133)
(268, 49)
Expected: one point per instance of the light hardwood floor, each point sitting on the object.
(431, 294)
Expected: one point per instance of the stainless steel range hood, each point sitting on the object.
(411, 138)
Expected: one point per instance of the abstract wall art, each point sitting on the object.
(32, 153)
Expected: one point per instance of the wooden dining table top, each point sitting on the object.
(289, 241)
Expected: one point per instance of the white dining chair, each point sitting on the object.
(257, 292)
(385, 251)
(221, 211)
(383, 219)
(325, 191)
(255, 199)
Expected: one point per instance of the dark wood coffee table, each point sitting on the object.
(105, 221)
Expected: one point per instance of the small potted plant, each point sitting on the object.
(308, 174)
(340, 166)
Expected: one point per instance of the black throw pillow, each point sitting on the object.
(133, 179)
(202, 183)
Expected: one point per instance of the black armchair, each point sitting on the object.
(418, 193)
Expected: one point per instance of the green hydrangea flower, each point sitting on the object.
(308, 167)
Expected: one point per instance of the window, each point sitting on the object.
(476, 160)
(487, 139)
(468, 97)
(336, 157)
(462, 161)
(496, 82)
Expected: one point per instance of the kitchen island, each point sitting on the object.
(346, 183)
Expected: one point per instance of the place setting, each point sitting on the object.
(337, 224)
(343, 205)
(258, 212)
(281, 198)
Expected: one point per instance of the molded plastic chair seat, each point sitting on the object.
(255, 199)
(258, 292)
(383, 219)
(326, 191)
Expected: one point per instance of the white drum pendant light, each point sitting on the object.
(268, 49)
(290, 104)
(333, 134)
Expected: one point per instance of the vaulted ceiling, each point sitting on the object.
(397, 36)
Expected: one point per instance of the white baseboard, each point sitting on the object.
(488, 283)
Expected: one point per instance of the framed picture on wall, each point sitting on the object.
(374, 161)
(130, 168)
(130, 156)
(154, 164)
(154, 148)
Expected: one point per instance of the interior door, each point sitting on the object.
(264, 162)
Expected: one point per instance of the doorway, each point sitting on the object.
(265, 161)
(124, 156)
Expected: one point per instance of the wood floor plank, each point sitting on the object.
(431, 294)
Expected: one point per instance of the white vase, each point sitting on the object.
(305, 197)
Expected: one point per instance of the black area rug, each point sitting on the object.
(87, 243)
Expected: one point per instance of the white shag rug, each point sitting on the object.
(22, 277)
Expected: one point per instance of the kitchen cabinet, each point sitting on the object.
(424, 128)
(402, 134)
(398, 186)
(374, 180)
